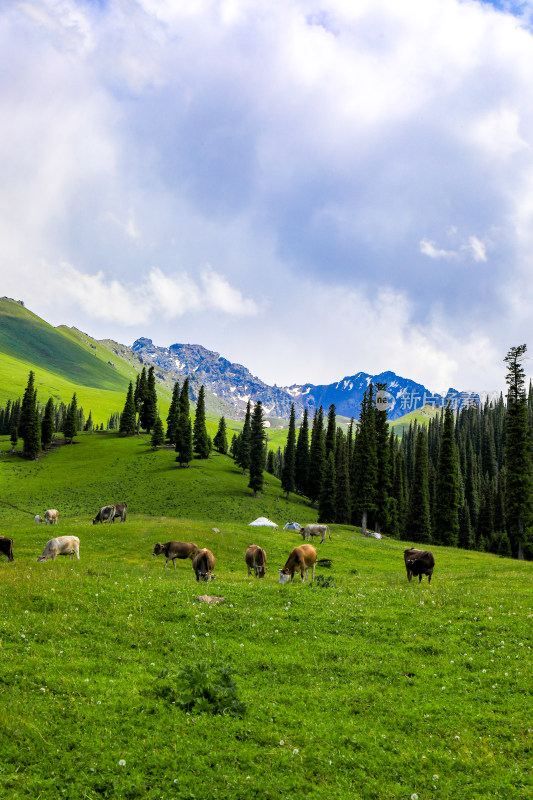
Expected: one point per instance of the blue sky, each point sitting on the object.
(309, 188)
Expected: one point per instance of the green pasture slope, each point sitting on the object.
(369, 689)
(64, 361)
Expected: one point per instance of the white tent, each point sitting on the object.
(292, 526)
(263, 522)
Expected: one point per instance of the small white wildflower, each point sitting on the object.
(435, 777)
(457, 737)
(281, 743)
(414, 797)
(176, 780)
(98, 702)
(43, 689)
(241, 645)
(22, 636)
(295, 751)
(207, 634)
(122, 763)
(483, 670)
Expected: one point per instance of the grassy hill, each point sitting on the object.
(362, 686)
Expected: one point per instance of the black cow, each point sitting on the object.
(106, 514)
(418, 562)
(6, 547)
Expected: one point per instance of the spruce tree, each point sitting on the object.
(158, 433)
(301, 465)
(128, 422)
(184, 429)
(220, 442)
(271, 463)
(27, 408)
(242, 457)
(149, 406)
(70, 425)
(418, 523)
(200, 442)
(446, 517)
(317, 456)
(14, 437)
(384, 469)
(32, 442)
(342, 489)
(288, 483)
(257, 459)
(331, 425)
(365, 467)
(173, 414)
(518, 482)
(465, 528)
(47, 424)
(327, 499)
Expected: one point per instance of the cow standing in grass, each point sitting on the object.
(203, 564)
(6, 547)
(310, 531)
(418, 562)
(255, 558)
(301, 559)
(61, 546)
(51, 516)
(174, 550)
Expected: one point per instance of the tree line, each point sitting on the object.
(464, 480)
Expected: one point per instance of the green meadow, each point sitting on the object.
(118, 683)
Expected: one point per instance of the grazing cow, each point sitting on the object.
(6, 547)
(62, 546)
(174, 550)
(418, 562)
(38, 519)
(300, 559)
(256, 560)
(120, 511)
(51, 516)
(315, 530)
(106, 514)
(203, 564)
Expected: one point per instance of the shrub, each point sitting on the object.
(196, 688)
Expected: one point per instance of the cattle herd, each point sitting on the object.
(301, 559)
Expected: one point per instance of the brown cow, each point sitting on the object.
(418, 562)
(174, 550)
(51, 516)
(256, 559)
(6, 547)
(203, 564)
(300, 559)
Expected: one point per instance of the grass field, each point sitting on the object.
(369, 687)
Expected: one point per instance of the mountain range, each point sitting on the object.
(68, 360)
(235, 384)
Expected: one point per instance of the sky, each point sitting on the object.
(312, 188)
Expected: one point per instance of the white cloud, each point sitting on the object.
(171, 296)
(286, 145)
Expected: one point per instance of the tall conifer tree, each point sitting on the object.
(301, 467)
(257, 449)
(70, 425)
(327, 499)
(128, 422)
(220, 442)
(242, 456)
(149, 406)
(446, 515)
(331, 425)
(317, 456)
(173, 414)
(27, 408)
(288, 483)
(518, 480)
(199, 437)
(418, 523)
(47, 424)
(184, 430)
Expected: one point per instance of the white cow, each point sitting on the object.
(51, 516)
(61, 546)
(310, 531)
(38, 519)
